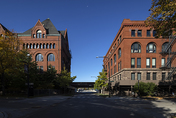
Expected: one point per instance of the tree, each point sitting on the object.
(145, 88)
(63, 79)
(9, 44)
(101, 80)
(162, 17)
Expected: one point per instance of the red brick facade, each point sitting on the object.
(136, 53)
(47, 45)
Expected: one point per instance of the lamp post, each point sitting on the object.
(109, 83)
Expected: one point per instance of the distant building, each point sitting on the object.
(135, 54)
(47, 45)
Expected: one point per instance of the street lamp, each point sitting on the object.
(109, 83)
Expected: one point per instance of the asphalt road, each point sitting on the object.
(86, 106)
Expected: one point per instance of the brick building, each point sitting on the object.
(135, 54)
(47, 45)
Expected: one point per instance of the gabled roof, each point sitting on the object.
(48, 25)
(4, 28)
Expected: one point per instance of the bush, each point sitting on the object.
(145, 88)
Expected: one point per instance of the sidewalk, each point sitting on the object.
(165, 107)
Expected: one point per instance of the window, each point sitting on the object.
(39, 57)
(27, 46)
(162, 62)
(47, 46)
(111, 71)
(111, 62)
(139, 33)
(148, 76)
(151, 48)
(119, 52)
(138, 62)
(163, 76)
(114, 58)
(115, 69)
(153, 62)
(24, 46)
(51, 57)
(135, 48)
(39, 34)
(53, 67)
(40, 46)
(51, 46)
(37, 46)
(54, 46)
(139, 76)
(33, 35)
(119, 39)
(132, 62)
(133, 33)
(119, 66)
(164, 46)
(154, 33)
(132, 76)
(154, 76)
(43, 35)
(44, 46)
(30, 46)
(41, 68)
(148, 33)
(34, 46)
(148, 63)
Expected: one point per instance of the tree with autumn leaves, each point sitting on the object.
(162, 17)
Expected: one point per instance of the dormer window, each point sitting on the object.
(39, 34)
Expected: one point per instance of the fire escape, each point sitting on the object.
(171, 56)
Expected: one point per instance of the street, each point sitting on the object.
(85, 104)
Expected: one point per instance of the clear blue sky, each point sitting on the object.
(92, 25)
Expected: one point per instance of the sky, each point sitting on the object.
(91, 24)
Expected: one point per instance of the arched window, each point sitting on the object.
(43, 35)
(51, 46)
(164, 46)
(114, 58)
(34, 46)
(54, 46)
(44, 46)
(30, 46)
(51, 57)
(47, 46)
(39, 34)
(41, 46)
(27, 46)
(37, 46)
(39, 57)
(24, 46)
(119, 53)
(151, 48)
(135, 48)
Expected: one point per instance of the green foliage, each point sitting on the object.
(101, 80)
(162, 17)
(63, 79)
(145, 88)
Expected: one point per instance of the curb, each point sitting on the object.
(3, 114)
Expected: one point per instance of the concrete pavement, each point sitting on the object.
(165, 107)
